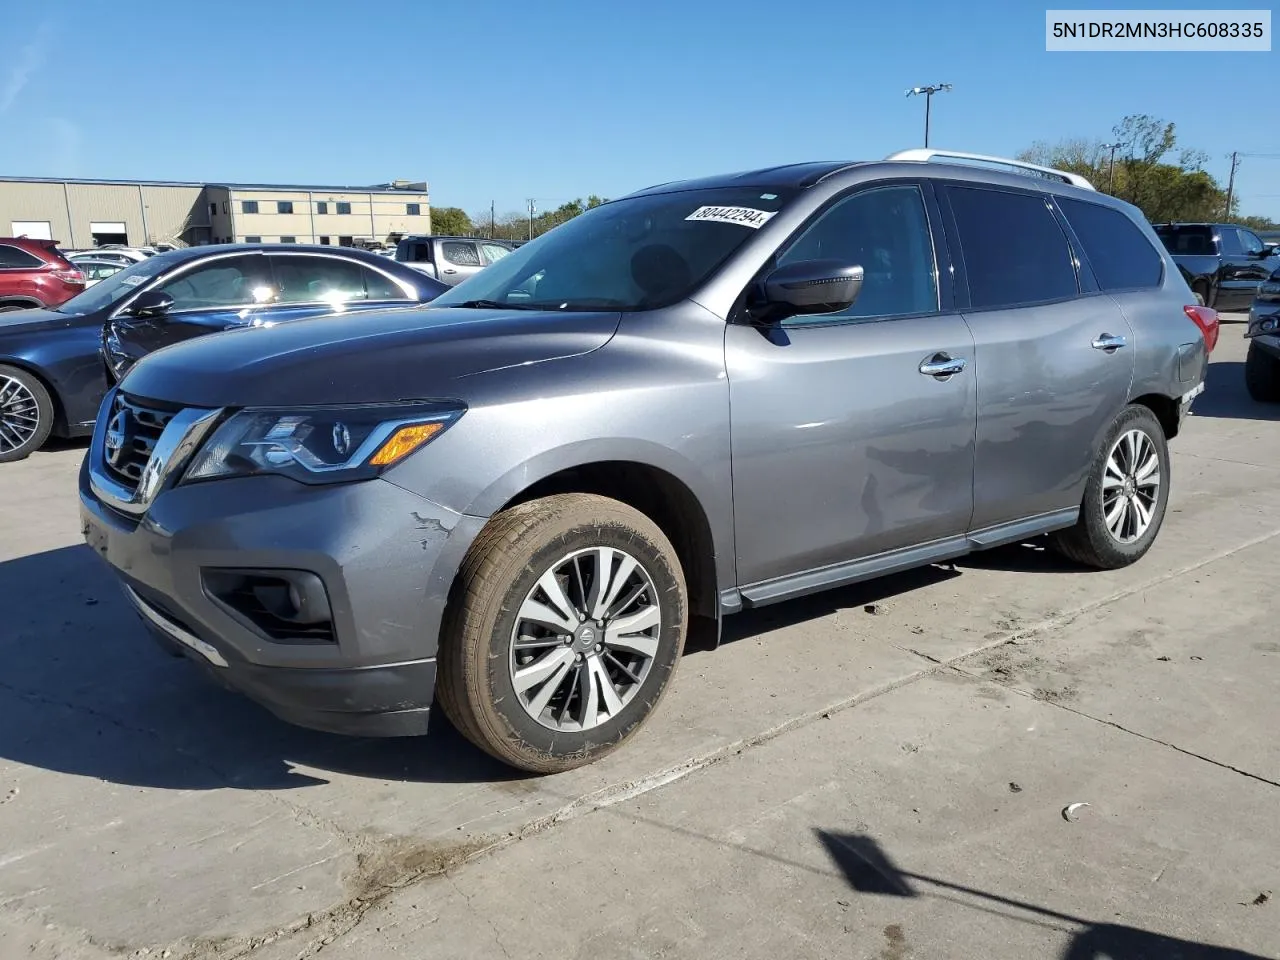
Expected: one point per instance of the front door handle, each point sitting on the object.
(1106, 341)
(942, 366)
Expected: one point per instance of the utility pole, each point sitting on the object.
(928, 102)
(532, 208)
(492, 222)
(1231, 183)
(1111, 181)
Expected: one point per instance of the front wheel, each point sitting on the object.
(1125, 497)
(566, 623)
(1262, 375)
(26, 414)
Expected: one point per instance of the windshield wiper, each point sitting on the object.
(492, 305)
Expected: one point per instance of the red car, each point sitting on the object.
(34, 273)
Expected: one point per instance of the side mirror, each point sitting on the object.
(153, 303)
(807, 287)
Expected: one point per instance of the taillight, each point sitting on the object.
(1207, 320)
(70, 275)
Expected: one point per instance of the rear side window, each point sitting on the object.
(11, 257)
(463, 254)
(1187, 241)
(1121, 257)
(1014, 250)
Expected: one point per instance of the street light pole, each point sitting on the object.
(928, 92)
(1111, 181)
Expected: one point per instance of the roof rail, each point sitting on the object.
(922, 155)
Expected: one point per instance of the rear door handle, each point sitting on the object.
(942, 366)
(1106, 341)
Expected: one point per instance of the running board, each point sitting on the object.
(868, 568)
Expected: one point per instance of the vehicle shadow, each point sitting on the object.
(1225, 396)
(84, 690)
(869, 870)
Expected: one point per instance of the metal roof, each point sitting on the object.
(418, 186)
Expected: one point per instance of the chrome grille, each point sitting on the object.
(132, 433)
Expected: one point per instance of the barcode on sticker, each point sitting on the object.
(745, 216)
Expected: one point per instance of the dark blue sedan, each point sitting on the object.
(55, 365)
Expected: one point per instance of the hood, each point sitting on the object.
(371, 357)
(31, 321)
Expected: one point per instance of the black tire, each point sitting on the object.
(1201, 290)
(1090, 542)
(475, 683)
(15, 446)
(1262, 375)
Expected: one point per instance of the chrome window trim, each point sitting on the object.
(410, 293)
(177, 271)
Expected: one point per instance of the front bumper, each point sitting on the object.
(387, 558)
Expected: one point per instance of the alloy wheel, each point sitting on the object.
(19, 414)
(584, 639)
(1130, 486)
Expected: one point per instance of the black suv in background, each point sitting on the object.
(1224, 264)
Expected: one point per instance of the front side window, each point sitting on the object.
(460, 253)
(1187, 239)
(635, 254)
(248, 206)
(1014, 251)
(886, 232)
(344, 207)
(1229, 240)
(493, 252)
(1121, 256)
(1252, 245)
(224, 282)
(284, 206)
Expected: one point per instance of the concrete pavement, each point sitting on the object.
(837, 780)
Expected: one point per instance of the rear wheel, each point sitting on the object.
(1125, 498)
(1201, 291)
(566, 624)
(1262, 375)
(26, 414)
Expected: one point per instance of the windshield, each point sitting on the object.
(116, 287)
(635, 254)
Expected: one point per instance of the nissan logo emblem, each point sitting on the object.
(113, 441)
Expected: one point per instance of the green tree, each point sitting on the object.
(451, 221)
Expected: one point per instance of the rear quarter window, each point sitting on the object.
(1121, 257)
(17, 258)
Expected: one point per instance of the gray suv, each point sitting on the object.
(706, 396)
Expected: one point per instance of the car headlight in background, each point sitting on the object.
(1270, 290)
(320, 444)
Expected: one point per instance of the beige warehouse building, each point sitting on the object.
(88, 213)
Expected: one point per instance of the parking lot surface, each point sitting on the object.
(885, 771)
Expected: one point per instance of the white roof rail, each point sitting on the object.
(924, 154)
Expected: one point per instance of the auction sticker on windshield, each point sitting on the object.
(134, 280)
(746, 216)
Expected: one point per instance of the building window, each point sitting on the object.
(213, 209)
(288, 239)
(284, 206)
(344, 241)
(248, 206)
(344, 207)
(226, 206)
(413, 209)
(252, 239)
(322, 207)
(324, 241)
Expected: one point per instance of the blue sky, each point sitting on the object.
(553, 99)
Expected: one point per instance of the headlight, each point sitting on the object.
(1270, 289)
(320, 444)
